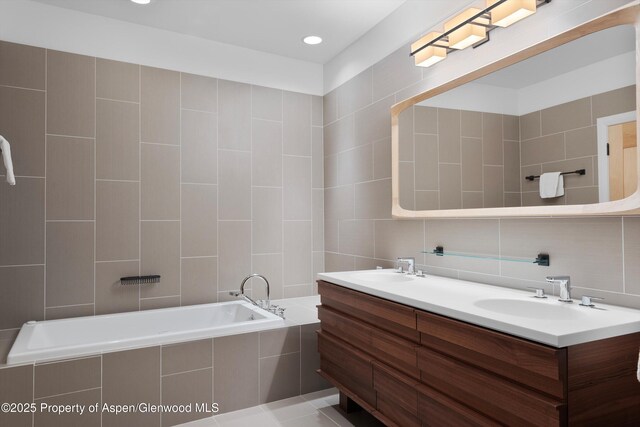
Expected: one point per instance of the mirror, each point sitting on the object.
(486, 143)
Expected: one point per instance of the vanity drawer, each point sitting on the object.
(347, 366)
(390, 349)
(397, 398)
(536, 365)
(487, 393)
(437, 410)
(390, 316)
(396, 388)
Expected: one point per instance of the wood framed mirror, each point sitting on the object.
(478, 145)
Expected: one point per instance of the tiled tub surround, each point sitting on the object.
(237, 371)
(600, 254)
(452, 159)
(126, 169)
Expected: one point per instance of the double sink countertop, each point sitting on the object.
(507, 310)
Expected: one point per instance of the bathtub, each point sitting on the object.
(81, 336)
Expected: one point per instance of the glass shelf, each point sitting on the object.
(542, 259)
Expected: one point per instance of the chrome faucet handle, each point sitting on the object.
(565, 287)
(234, 293)
(411, 264)
(539, 292)
(587, 301)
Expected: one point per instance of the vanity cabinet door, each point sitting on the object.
(535, 365)
(397, 397)
(388, 348)
(387, 315)
(488, 393)
(347, 366)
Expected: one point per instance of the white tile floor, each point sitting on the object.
(319, 409)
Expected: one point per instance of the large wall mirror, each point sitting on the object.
(493, 143)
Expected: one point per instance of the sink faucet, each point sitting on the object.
(565, 286)
(245, 297)
(411, 264)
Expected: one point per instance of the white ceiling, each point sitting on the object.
(274, 26)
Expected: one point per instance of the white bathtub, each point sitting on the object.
(80, 336)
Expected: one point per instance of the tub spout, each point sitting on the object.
(244, 297)
(242, 294)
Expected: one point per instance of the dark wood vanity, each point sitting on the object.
(409, 367)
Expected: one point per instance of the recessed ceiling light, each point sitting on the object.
(312, 39)
(141, 1)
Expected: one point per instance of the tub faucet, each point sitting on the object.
(565, 286)
(241, 294)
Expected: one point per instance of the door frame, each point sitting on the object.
(603, 124)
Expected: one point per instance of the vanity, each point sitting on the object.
(435, 351)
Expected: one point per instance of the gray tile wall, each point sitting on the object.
(599, 253)
(564, 138)
(453, 159)
(236, 372)
(124, 170)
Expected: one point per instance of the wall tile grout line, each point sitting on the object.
(27, 88)
(46, 128)
(140, 263)
(67, 393)
(180, 193)
(115, 100)
(173, 374)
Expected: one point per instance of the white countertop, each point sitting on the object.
(512, 311)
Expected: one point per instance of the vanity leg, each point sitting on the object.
(348, 405)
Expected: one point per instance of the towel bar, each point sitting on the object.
(578, 172)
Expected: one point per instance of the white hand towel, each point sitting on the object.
(551, 185)
(6, 158)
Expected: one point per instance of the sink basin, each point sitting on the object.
(543, 310)
(382, 277)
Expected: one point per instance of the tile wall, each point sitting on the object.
(564, 138)
(125, 169)
(452, 159)
(235, 372)
(600, 254)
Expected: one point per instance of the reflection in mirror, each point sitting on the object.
(474, 146)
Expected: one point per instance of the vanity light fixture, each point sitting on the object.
(471, 28)
(312, 40)
(511, 11)
(432, 54)
(465, 29)
(141, 1)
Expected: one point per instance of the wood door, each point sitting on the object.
(623, 160)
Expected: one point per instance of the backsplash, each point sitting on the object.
(125, 169)
(600, 254)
